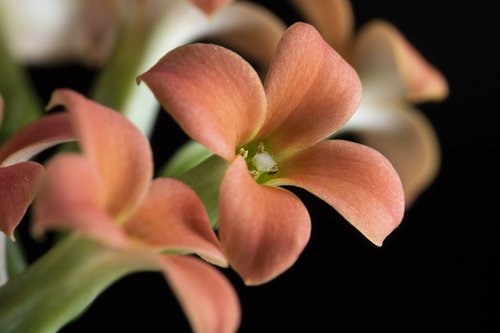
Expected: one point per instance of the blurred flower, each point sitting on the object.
(52, 31)
(20, 178)
(395, 76)
(106, 193)
(273, 135)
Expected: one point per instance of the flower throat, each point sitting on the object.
(260, 163)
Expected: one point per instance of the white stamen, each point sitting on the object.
(264, 162)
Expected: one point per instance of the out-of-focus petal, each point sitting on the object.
(208, 299)
(40, 134)
(213, 93)
(73, 198)
(408, 140)
(40, 31)
(172, 217)
(383, 53)
(18, 185)
(1, 110)
(210, 6)
(252, 30)
(354, 179)
(311, 91)
(334, 19)
(263, 229)
(118, 150)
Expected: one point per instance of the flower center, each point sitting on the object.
(260, 163)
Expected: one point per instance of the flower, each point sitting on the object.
(50, 31)
(106, 193)
(395, 76)
(272, 135)
(20, 178)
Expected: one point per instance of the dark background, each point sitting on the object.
(438, 271)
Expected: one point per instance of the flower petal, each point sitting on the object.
(354, 179)
(407, 139)
(73, 198)
(311, 91)
(208, 299)
(210, 6)
(263, 229)
(119, 151)
(18, 186)
(36, 136)
(251, 29)
(172, 217)
(334, 19)
(214, 95)
(383, 53)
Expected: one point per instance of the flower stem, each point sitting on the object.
(22, 104)
(60, 285)
(205, 179)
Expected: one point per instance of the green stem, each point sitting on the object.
(116, 85)
(22, 104)
(205, 179)
(16, 261)
(61, 284)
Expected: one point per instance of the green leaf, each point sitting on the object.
(22, 104)
(62, 284)
(186, 157)
(205, 179)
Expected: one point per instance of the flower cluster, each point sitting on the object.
(226, 199)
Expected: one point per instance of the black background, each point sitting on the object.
(437, 272)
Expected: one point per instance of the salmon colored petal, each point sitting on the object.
(36, 136)
(208, 299)
(354, 179)
(172, 217)
(381, 51)
(210, 6)
(72, 198)
(18, 186)
(408, 141)
(263, 229)
(212, 93)
(249, 28)
(311, 91)
(118, 150)
(334, 19)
